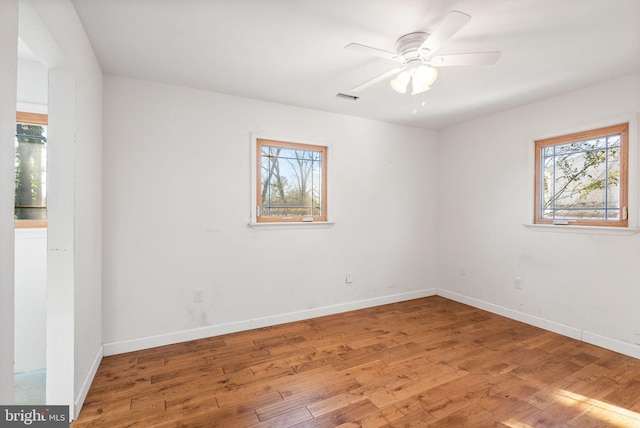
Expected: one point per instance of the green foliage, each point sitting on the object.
(29, 172)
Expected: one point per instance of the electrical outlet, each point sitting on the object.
(462, 270)
(349, 277)
(198, 296)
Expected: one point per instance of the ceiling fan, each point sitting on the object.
(415, 53)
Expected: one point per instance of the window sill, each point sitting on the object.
(31, 224)
(588, 230)
(292, 225)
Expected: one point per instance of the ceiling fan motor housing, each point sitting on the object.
(409, 44)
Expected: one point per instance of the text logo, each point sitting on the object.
(34, 416)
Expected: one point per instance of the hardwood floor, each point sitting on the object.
(424, 362)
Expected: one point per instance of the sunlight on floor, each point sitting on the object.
(615, 415)
(516, 424)
(612, 415)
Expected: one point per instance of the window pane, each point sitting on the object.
(291, 182)
(613, 179)
(573, 214)
(581, 180)
(594, 144)
(614, 141)
(30, 172)
(289, 212)
(547, 186)
(548, 151)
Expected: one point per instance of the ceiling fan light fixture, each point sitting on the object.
(419, 89)
(424, 76)
(399, 84)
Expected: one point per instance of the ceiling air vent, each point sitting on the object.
(346, 97)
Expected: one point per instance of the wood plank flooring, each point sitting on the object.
(424, 362)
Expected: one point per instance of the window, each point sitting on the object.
(30, 170)
(291, 182)
(582, 178)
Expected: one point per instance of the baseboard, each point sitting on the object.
(626, 348)
(113, 348)
(120, 347)
(84, 390)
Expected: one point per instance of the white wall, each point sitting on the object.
(584, 285)
(32, 86)
(61, 239)
(8, 89)
(177, 203)
(30, 299)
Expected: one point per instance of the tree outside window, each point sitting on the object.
(30, 170)
(291, 182)
(582, 178)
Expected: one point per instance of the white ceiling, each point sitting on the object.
(292, 51)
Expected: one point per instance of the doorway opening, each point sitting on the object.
(30, 231)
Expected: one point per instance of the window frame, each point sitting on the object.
(257, 218)
(623, 130)
(31, 119)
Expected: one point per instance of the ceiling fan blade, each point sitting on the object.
(448, 27)
(476, 58)
(376, 79)
(357, 47)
